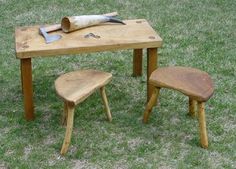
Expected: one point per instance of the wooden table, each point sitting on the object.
(136, 34)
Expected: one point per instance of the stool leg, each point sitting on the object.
(69, 128)
(202, 124)
(64, 115)
(150, 104)
(104, 99)
(192, 107)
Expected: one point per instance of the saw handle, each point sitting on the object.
(56, 27)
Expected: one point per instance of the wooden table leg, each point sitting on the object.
(152, 59)
(27, 88)
(137, 62)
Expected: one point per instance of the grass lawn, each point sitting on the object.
(199, 34)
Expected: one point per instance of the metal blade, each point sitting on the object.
(49, 38)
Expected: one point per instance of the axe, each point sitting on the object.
(51, 38)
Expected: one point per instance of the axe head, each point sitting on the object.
(48, 38)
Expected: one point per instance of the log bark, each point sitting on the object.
(72, 23)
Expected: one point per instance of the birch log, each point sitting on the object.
(69, 24)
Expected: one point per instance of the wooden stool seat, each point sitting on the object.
(194, 83)
(191, 82)
(75, 87)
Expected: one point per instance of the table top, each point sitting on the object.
(134, 35)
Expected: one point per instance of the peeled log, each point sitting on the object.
(69, 24)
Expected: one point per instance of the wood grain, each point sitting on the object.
(69, 128)
(202, 125)
(74, 87)
(27, 88)
(56, 27)
(64, 114)
(191, 82)
(152, 59)
(105, 102)
(137, 62)
(194, 83)
(136, 34)
(150, 104)
(192, 107)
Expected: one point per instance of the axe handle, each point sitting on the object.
(52, 28)
(111, 14)
(56, 27)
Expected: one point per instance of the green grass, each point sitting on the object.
(199, 34)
